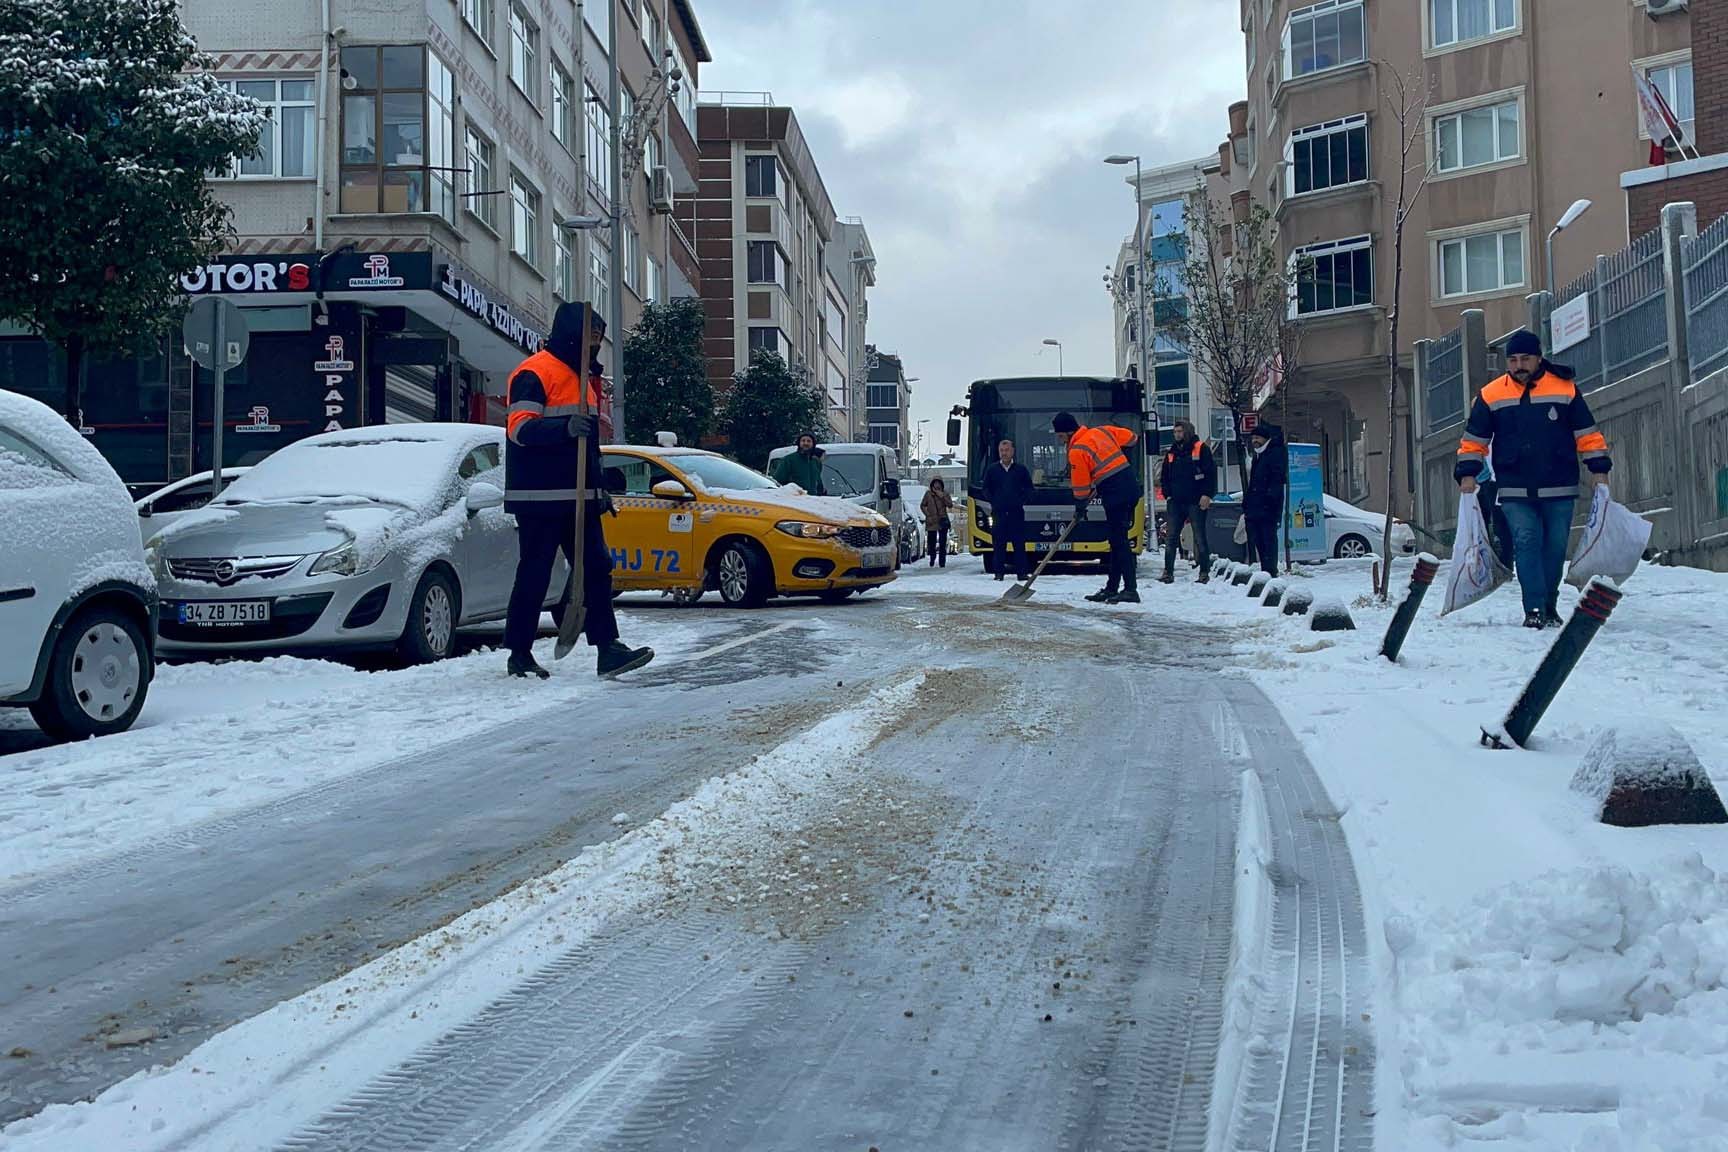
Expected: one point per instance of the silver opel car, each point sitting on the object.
(370, 538)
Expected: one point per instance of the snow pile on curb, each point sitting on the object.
(1244, 980)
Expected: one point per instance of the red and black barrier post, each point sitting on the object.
(1592, 612)
(1420, 581)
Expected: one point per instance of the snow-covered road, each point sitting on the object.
(920, 872)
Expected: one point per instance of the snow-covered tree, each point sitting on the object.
(109, 126)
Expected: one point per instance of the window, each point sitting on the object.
(1476, 137)
(524, 219)
(599, 277)
(651, 30)
(285, 148)
(482, 191)
(888, 434)
(1327, 35)
(1460, 21)
(1674, 81)
(1339, 274)
(761, 176)
(24, 465)
(397, 94)
(478, 14)
(764, 340)
(441, 136)
(882, 396)
(564, 263)
(598, 13)
(686, 98)
(766, 265)
(1489, 262)
(650, 153)
(482, 459)
(563, 106)
(834, 317)
(525, 52)
(1328, 155)
(632, 260)
(599, 141)
(655, 289)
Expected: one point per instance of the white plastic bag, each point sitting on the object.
(1612, 544)
(1476, 571)
(1241, 533)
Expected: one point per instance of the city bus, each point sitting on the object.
(1021, 410)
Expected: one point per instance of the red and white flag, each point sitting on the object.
(1659, 120)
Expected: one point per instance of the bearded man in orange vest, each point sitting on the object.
(1098, 468)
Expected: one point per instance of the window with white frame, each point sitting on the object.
(1674, 81)
(1334, 276)
(1329, 155)
(1477, 136)
(632, 259)
(650, 24)
(655, 288)
(881, 395)
(525, 52)
(599, 121)
(478, 14)
(598, 13)
(1461, 21)
(286, 145)
(441, 137)
(1327, 35)
(564, 263)
(1486, 262)
(524, 219)
(481, 194)
(599, 277)
(764, 339)
(686, 98)
(563, 106)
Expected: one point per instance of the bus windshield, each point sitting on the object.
(1021, 411)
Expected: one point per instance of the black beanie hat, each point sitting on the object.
(1065, 422)
(1523, 343)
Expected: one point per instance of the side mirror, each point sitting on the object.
(483, 495)
(890, 489)
(671, 490)
(147, 510)
(953, 431)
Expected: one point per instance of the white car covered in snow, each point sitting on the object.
(172, 501)
(369, 538)
(77, 604)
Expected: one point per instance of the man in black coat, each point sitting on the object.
(1188, 478)
(1263, 501)
(1008, 489)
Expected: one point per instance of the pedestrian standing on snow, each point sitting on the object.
(936, 507)
(1537, 427)
(803, 467)
(551, 409)
(1008, 489)
(1189, 480)
(1098, 468)
(1263, 500)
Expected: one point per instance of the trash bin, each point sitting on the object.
(1221, 523)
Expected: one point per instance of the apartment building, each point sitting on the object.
(1165, 197)
(1695, 82)
(765, 223)
(851, 263)
(397, 248)
(1521, 108)
(888, 403)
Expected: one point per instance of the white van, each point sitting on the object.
(865, 474)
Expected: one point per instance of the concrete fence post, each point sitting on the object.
(1540, 307)
(1679, 227)
(1422, 426)
(1474, 321)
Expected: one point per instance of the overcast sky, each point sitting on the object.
(969, 135)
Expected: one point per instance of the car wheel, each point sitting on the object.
(432, 614)
(98, 677)
(836, 595)
(744, 575)
(1352, 548)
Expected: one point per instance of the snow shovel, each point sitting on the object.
(575, 607)
(1021, 593)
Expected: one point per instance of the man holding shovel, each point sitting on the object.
(552, 424)
(1098, 468)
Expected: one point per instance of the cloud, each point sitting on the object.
(969, 135)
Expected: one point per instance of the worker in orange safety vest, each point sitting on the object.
(1098, 468)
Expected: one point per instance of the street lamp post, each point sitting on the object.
(1139, 263)
(1579, 207)
(1057, 344)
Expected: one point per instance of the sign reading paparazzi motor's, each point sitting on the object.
(343, 272)
(455, 284)
(335, 362)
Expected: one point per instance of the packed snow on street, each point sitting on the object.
(922, 871)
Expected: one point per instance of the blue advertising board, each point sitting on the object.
(1306, 526)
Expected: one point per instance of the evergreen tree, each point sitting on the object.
(665, 375)
(109, 127)
(770, 406)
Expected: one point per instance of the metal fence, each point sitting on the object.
(1705, 264)
(1443, 399)
(1634, 300)
(1584, 358)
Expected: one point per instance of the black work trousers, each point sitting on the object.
(1176, 515)
(540, 533)
(1010, 530)
(1263, 539)
(1120, 498)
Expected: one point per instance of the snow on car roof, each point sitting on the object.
(49, 431)
(657, 450)
(407, 464)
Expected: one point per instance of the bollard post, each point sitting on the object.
(1592, 612)
(1420, 581)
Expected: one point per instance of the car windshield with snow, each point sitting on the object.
(364, 539)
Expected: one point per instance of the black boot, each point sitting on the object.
(524, 665)
(1103, 595)
(1533, 620)
(618, 658)
(1167, 578)
(1205, 576)
(1126, 596)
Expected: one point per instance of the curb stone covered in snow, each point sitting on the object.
(1644, 773)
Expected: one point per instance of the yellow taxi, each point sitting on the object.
(690, 520)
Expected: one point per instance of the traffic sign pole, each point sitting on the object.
(221, 371)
